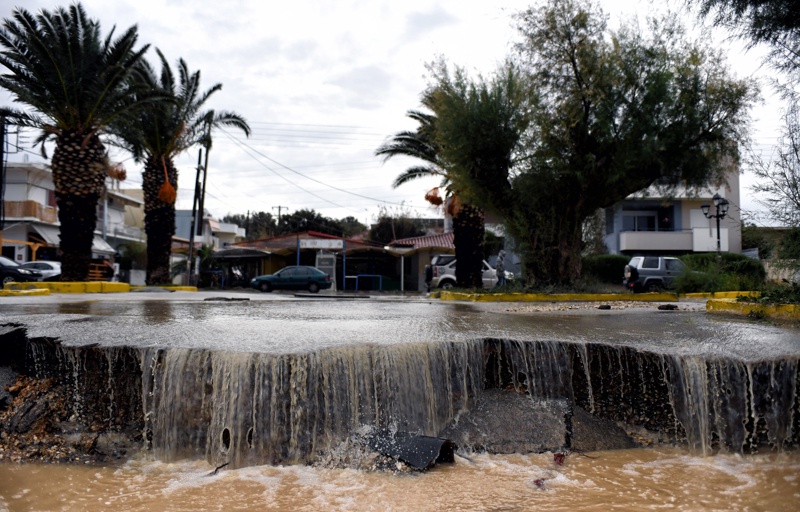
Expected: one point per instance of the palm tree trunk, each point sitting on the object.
(468, 233)
(159, 219)
(79, 172)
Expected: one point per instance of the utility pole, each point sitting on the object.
(203, 191)
(279, 208)
(2, 176)
(190, 261)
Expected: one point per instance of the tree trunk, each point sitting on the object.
(159, 220)
(468, 232)
(552, 254)
(79, 172)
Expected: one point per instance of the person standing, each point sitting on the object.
(428, 276)
(500, 268)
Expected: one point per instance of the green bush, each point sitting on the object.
(785, 293)
(605, 268)
(734, 272)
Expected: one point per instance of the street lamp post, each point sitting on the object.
(721, 205)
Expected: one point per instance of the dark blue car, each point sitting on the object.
(293, 278)
(11, 271)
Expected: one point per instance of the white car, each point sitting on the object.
(48, 269)
(444, 273)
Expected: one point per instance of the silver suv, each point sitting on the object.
(444, 272)
(652, 273)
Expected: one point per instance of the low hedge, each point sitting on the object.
(605, 268)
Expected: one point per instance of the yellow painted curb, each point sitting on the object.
(752, 309)
(720, 295)
(558, 297)
(170, 288)
(72, 287)
(16, 293)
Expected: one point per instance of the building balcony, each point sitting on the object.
(690, 240)
(124, 231)
(29, 210)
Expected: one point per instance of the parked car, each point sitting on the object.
(293, 278)
(444, 272)
(652, 273)
(48, 269)
(11, 271)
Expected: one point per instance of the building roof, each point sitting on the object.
(439, 241)
(285, 244)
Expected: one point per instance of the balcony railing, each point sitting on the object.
(28, 210)
(695, 239)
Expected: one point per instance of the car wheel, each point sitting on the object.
(8, 279)
(265, 287)
(447, 285)
(313, 287)
(654, 287)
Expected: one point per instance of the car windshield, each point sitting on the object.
(8, 262)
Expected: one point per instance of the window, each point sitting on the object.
(650, 262)
(609, 221)
(639, 221)
(676, 265)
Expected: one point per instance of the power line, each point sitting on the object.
(244, 145)
(248, 150)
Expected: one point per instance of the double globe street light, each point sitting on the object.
(721, 204)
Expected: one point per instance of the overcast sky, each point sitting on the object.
(323, 84)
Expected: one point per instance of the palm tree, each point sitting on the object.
(156, 137)
(75, 83)
(468, 220)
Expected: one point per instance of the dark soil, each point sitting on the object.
(37, 424)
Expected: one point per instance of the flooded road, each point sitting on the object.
(285, 342)
(641, 479)
(292, 326)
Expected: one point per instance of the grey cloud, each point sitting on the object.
(364, 87)
(420, 23)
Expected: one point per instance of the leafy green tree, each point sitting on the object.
(156, 137)
(308, 220)
(76, 83)
(772, 22)
(468, 220)
(351, 226)
(753, 237)
(610, 113)
(396, 225)
(257, 225)
(479, 126)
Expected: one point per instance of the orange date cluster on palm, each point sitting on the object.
(157, 182)
(79, 165)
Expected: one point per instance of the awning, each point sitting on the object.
(50, 234)
(100, 246)
(240, 253)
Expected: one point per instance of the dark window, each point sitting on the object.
(673, 264)
(650, 262)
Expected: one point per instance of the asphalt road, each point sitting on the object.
(248, 321)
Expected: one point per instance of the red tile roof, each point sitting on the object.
(443, 240)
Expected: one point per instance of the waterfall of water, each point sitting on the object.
(261, 408)
(249, 409)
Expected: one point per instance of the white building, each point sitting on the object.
(31, 228)
(649, 222)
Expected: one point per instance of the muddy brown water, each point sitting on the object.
(638, 479)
